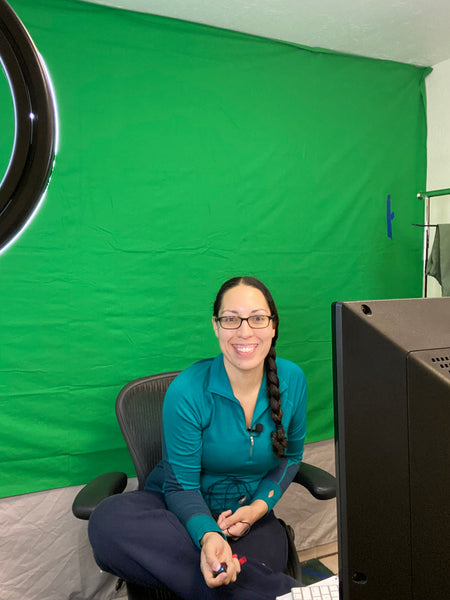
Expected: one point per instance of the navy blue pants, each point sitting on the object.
(134, 536)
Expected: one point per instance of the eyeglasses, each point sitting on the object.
(255, 321)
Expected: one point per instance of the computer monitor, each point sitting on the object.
(392, 417)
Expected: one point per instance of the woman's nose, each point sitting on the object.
(245, 330)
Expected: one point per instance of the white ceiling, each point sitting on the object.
(410, 31)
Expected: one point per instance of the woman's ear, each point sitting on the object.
(215, 326)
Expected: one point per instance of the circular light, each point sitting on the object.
(28, 173)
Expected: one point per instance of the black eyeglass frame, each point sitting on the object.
(270, 317)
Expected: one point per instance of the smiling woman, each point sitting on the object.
(234, 429)
(244, 341)
(31, 163)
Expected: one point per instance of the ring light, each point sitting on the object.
(28, 173)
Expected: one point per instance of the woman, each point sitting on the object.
(234, 429)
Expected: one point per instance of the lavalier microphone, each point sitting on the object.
(256, 429)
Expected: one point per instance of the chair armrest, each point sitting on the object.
(95, 491)
(320, 483)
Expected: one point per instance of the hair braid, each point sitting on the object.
(279, 440)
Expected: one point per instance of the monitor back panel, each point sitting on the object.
(378, 429)
(429, 446)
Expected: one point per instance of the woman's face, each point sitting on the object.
(244, 349)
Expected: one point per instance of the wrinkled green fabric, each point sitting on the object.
(188, 155)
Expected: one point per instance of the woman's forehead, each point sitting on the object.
(244, 296)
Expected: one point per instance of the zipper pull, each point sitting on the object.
(252, 443)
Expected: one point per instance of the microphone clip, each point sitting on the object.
(258, 428)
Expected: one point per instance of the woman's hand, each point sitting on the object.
(234, 525)
(237, 524)
(215, 551)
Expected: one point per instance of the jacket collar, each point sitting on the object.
(220, 384)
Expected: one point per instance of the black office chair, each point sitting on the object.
(139, 413)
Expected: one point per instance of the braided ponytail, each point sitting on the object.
(279, 440)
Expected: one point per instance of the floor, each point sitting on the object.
(327, 554)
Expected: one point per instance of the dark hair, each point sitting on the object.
(279, 440)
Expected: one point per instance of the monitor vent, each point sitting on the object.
(443, 362)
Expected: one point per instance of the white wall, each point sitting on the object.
(438, 150)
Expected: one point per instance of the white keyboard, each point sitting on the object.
(320, 592)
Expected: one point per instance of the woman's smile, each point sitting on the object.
(244, 348)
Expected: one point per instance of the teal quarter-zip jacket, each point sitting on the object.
(211, 462)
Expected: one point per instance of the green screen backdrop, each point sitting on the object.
(188, 155)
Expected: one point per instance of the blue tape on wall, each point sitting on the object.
(389, 217)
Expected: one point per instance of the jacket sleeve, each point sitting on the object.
(293, 399)
(183, 421)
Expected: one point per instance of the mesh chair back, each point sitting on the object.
(139, 413)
